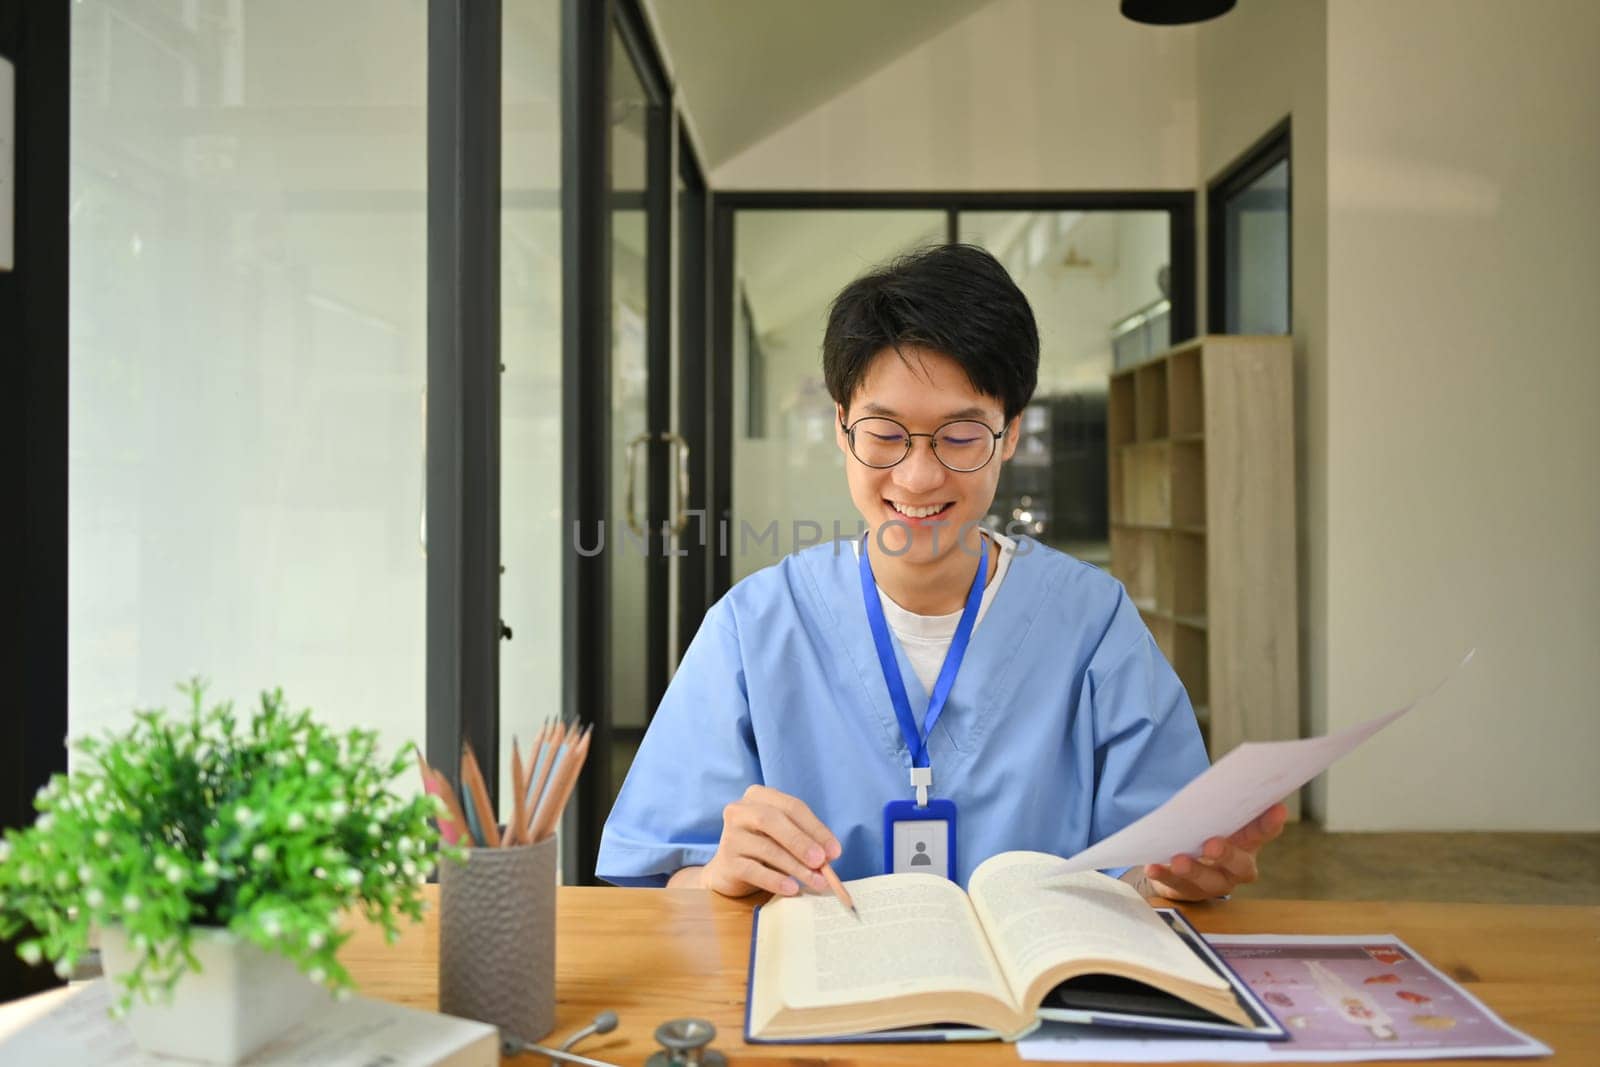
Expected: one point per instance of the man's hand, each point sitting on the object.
(1224, 863)
(770, 841)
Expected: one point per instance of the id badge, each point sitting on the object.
(920, 839)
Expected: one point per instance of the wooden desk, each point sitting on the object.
(651, 955)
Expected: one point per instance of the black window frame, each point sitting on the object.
(725, 206)
(587, 203)
(463, 623)
(1272, 148)
(34, 430)
(694, 386)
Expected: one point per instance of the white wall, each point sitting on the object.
(1462, 503)
(1267, 60)
(1020, 95)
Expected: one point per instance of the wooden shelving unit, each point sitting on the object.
(1201, 447)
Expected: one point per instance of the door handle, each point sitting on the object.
(680, 518)
(634, 445)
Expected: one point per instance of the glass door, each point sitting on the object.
(788, 482)
(1099, 283)
(626, 321)
(631, 533)
(531, 320)
(1109, 281)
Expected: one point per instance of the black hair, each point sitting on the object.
(955, 299)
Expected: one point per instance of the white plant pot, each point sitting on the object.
(241, 998)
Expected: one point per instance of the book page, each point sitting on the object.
(916, 934)
(1087, 916)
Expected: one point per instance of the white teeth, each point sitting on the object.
(916, 513)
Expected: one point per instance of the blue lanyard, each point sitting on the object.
(917, 742)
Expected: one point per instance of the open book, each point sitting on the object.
(925, 954)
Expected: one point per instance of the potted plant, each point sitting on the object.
(216, 856)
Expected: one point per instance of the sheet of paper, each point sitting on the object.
(1060, 1042)
(1343, 999)
(1234, 790)
(74, 1029)
(1097, 1044)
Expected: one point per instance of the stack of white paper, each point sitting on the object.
(70, 1028)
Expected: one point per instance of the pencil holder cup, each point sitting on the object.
(497, 938)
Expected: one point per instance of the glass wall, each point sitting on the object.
(248, 354)
(531, 544)
(1086, 275)
(787, 468)
(1256, 254)
(626, 527)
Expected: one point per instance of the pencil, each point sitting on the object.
(472, 780)
(449, 828)
(441, 785)
(474, 828)
(535, 761)
(578, 758)
(555, 799)
(537, 789)
(514, 827)
(560, 755)
(838, 889)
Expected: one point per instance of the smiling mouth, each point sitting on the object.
(920, 514)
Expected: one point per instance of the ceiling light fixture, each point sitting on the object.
(1174, 12)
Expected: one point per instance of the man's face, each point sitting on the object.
(922, 392)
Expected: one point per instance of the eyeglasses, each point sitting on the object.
(963, 446)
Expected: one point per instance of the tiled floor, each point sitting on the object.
(1308, 863)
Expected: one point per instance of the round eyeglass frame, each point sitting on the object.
(933, 442)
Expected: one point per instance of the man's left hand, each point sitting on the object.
(1224, 863)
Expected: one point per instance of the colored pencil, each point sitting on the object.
(541, 786)
(544, 775)
(474, 827)
(449, 829)
(457, 816)
(535, 760)
(555, 800)
(472, 780)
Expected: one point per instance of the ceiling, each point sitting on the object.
(792, 263)
(746, 68)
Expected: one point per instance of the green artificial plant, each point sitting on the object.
(271, 826)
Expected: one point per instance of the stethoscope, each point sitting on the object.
(683, 1044)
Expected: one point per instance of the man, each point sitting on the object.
(932, 674)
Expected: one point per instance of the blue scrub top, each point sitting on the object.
(1065, 724)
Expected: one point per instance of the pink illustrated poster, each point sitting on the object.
(1368, 995)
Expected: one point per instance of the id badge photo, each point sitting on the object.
(920, 838)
